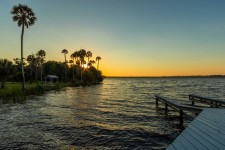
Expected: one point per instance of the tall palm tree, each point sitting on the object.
(91, 62)
(41, 54)
(98, 58)
(74, 56)
(25, 16)
(81, 54)
(64, 51)
(89, 55)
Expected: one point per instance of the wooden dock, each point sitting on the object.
(205, 100)
(206, 132)
(177, 106)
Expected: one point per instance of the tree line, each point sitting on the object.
(79, 70)
(34, 67)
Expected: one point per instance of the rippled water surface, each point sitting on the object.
(119, 114)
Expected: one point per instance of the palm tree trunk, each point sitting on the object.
(36, 74)
(81, 76)
(41, 73)
(22, 67)
(73, 67)
(65, 68)
(98, 64)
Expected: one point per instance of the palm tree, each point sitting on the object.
(81, 54)
(71, 62)
(64, 51)
(31, 60)
(89, 55)
(91, 62)
(74, 56)
(25, 17)
(41, 54)
(98, 58)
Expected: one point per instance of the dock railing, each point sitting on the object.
(177, 106)
(204, 100)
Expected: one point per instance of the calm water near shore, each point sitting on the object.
(119, 114)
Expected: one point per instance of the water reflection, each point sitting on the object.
(119, 114)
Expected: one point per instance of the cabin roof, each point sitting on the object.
(51, 76)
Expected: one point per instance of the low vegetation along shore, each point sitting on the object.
(34, 75)
(38, 73)
(13, 93)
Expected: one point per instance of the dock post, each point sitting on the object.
(216, 104)
(156, 103)
(181, 117)
(166, 108)
(192, 101)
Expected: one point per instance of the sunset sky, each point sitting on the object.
(133, 37)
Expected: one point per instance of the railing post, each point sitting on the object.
(216, 104)
(181, 117)
(192, 101)
(156, 103)
(166, 108)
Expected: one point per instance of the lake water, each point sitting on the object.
(119, 114)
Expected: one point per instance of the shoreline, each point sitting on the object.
(13, 93)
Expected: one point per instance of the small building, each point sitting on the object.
(50, 79)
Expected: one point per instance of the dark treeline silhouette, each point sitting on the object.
(78, 71)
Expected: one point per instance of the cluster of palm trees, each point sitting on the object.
(78, 60)
(36, 63)
(25, 17)
(78, 57)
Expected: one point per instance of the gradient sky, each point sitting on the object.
(133, 37)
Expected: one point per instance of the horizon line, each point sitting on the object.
(165, 76)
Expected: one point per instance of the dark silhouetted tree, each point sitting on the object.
(6, 68)
(98, 58)
(24, 16)
(41, 55)
(65, 52)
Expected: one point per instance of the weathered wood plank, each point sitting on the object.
(218, 119)
(203, 140)
(186, 143)
(171, 147)
(179, 145)
(206, 131)
(193, 140)
(211, 132)
(212, 124)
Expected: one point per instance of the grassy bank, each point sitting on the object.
(13, 93)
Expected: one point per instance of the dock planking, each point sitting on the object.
(206, 131)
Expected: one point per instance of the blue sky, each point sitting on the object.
(133, 37)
